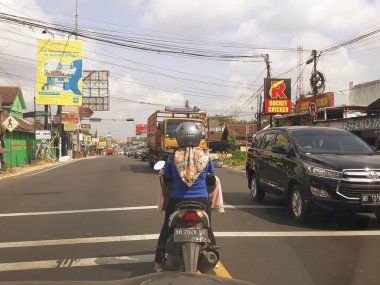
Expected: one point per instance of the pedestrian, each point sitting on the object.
(189, 170)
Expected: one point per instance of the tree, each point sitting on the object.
(233, 145)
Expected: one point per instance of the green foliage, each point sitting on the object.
(233, 145)
(238, 158)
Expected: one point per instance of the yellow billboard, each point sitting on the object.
(59, 72)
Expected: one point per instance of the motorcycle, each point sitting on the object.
(188, 247)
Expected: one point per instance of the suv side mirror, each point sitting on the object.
(159, 126)
(279, 149)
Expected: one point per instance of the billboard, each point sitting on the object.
(59, 72)
(141, 129)
(322, 100)
(277, 96)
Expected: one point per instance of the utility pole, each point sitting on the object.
(315, 88)
(76, 19)
(300, 90)
(267, 63)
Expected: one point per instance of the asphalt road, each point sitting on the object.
(95, 219)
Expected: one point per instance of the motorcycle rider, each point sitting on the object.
(190, 170)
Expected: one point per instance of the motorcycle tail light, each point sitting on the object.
(191, 217)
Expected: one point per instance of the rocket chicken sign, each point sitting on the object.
(277, 94)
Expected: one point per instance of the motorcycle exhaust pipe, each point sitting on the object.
(207, 261)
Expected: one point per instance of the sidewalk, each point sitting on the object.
(40, 165)
(28, 168)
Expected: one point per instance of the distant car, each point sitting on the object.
(109, 151)
(144, 154)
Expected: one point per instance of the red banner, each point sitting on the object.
(141, 129)
(322, 101)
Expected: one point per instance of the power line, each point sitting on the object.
(130, 43)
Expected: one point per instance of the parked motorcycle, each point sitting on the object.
(188, 247)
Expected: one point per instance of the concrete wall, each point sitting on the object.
(364, 94)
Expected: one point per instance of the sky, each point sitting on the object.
(238, 27)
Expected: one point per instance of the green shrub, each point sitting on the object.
(237, 158)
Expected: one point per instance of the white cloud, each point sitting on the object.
(196, 16)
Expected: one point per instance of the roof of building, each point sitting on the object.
(215, 136)
(240, 130)
(8, 95)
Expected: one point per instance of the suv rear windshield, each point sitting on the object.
(324, 142)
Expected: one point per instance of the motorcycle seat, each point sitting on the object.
(190, 205)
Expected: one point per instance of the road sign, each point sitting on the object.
(42, 114)
(87, 139)
(43, 135)
(85, 126)
(85, 112)
(312, 109)
(10, 123)
(69, 127)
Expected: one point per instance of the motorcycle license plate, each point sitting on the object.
(370, 199)
(190, 235)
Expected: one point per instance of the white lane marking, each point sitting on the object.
(78, 241)
(75, 262)
(300, 234)
(232, 207)
(77, 211)
(144, 237)
(235, 207)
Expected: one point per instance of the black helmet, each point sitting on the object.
(188, 134)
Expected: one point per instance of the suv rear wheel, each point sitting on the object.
(300, 211)
(257, 193)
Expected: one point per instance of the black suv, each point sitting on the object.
(314, 167)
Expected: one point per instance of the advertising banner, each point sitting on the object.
(141, 129)
(362, 123)
(87, 139)
(322, 100)
(85, 126)
(69, 127)
(43, 134)
(277, 96)
(59, 72)
(70, 114)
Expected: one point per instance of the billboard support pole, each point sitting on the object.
(46, 117)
